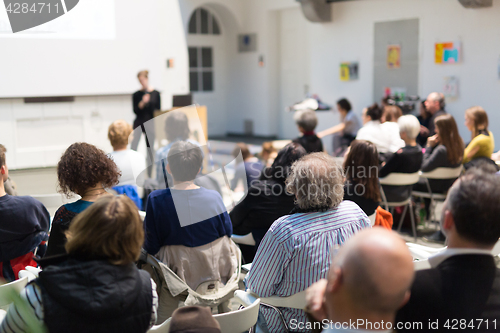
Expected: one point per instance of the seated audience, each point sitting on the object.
(193, 319)
(249, 170)
(176, 129)
(483, 143)
(389, 122)
(361, 174)
(266, 201)
(87, 171)
(186, 214)
(369, 280)
(296, 250)
(306, 122)
(434, 105)
(406, 160)
(464, 281)
(346, 131)
(96, 287)
(24, 223)
(267, 154)
(424, 117)
(373, 131)
(129, 162)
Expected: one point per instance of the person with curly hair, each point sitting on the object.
(87, 171)
(296, 251)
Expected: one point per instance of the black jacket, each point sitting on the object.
(311, 143)
(95, 296)
(463, 287)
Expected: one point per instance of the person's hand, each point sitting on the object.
(146, 98)
(315, 299)
(433, 140)
(424, 131)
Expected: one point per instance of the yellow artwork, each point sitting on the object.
(394, 56)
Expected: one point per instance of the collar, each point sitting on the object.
(437, 259)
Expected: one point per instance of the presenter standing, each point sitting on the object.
(145, 102)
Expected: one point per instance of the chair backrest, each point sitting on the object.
(496, 250)
(372, 218)
(296, 301)
(400, 179)
(7, 289)
(421, 264)
(245, 240)
(443, 173)
(230, 322)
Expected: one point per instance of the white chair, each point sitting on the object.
(142, 215)
(6, 291)
(245, 240)
(423, 252)
(437, 174)
(295, 301)
(421, 264)
(238, 321)
(401, 179)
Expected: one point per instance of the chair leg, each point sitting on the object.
(412, 218)
(402, 218)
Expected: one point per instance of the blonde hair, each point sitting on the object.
(118, 133)
(410, 125)
(110, 228)
(479, 117)
(143, 73)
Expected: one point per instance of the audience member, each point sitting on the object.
(247, 171)
(145, 102)
(482, 144)
(424, 117)
(372, 131)
(193, 319)
(389, 122)
(24, 223)
(306, 122)
(406, 160)
(96, 287)
(369, 280)
(176, 129)
(434, 105)
(266, 201)
(346, 131)
(185, 214)
(267, 154)
(10, 187)
(463, 285)
(129, 162)
(84, 170)
(295, 252)
(361, 174)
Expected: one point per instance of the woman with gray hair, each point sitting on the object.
(297, 249)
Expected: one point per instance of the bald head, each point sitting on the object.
(376, 271)
(435, 102)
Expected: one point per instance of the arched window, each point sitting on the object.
(203, 22)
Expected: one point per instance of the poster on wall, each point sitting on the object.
(450, 89)
(349, 71)
(394, 56)
(448, 53)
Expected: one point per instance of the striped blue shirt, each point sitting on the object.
(296, 252)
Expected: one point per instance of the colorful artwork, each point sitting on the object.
(393, 56)
(448, 53)
(349, 71)
(450, 88)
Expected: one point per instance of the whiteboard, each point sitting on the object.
(96, 48)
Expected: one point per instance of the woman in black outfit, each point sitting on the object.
(267, 200)
(145, 101)
(361, 172)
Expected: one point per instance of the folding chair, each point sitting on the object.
(400, 179)
(7, 289)
(245, 240)
(437, 174)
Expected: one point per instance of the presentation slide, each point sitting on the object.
(58, 19)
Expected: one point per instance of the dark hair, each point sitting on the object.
(450, 138)
(280, 169)
(473, 203)
(358, 165)
(245, 152)
(374, 112)
(3, 150)
(176, 126)
(344, 104)
(184, 160)
(392, 113)
(83, 166)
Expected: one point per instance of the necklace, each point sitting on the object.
(94, 195)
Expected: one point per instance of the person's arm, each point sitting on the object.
(226, 222)
(151, 233)
(392, 165)
(434, 157)
(57, 238)
(42, 216)
(332, 130)
(155, 101)
(240, 213)
(268, 266)
(27, 318)
(471, 151)
(136, 99)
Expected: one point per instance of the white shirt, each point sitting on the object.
(131, 164)
(392, 129)
(438, 258)
(374, 132)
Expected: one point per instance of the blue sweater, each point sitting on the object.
(197, 218)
